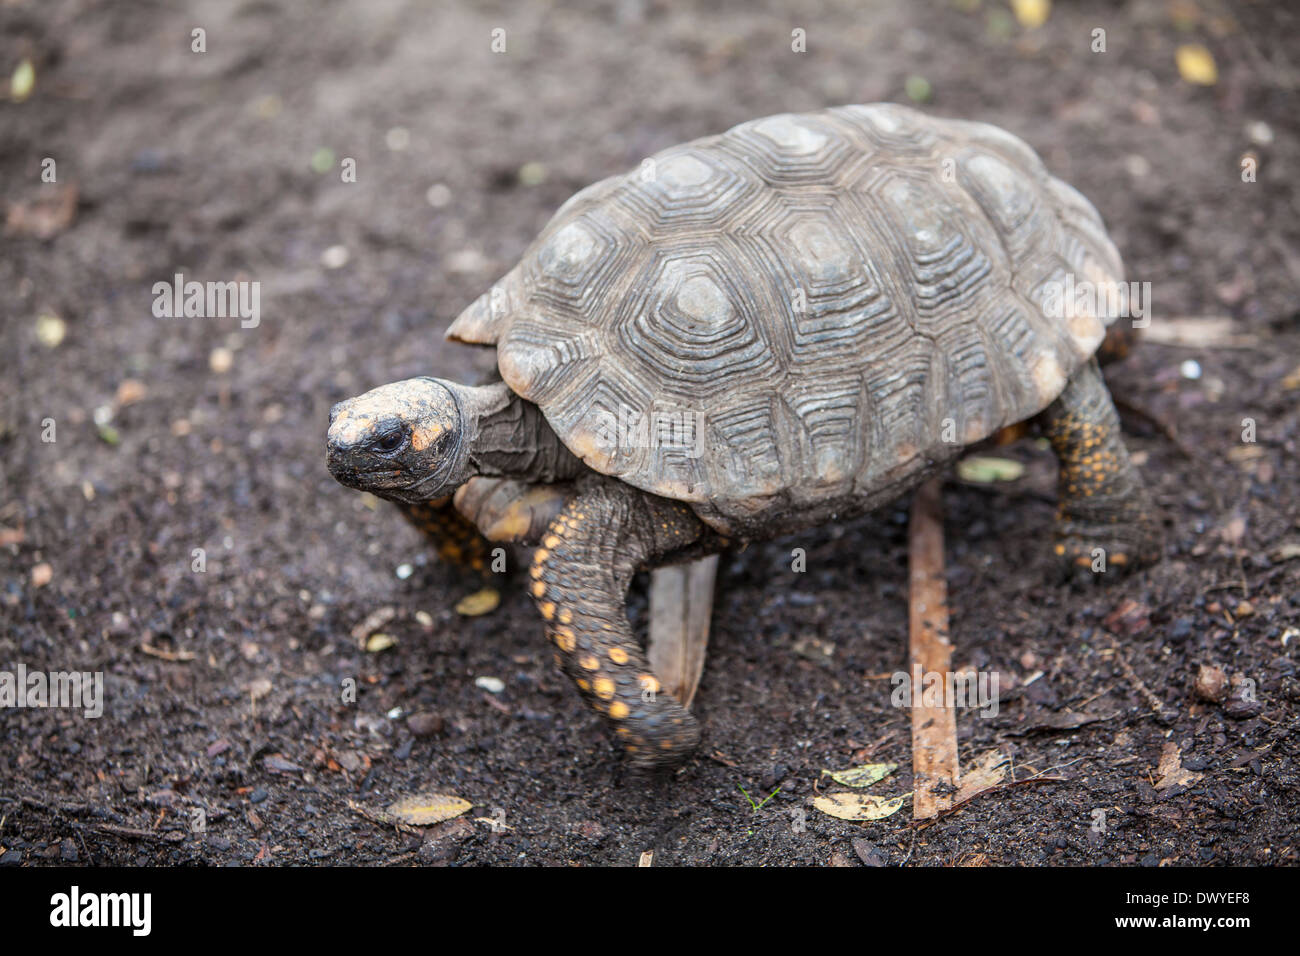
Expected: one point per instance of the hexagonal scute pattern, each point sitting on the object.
(803, 312)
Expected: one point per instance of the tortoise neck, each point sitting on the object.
(509, 437)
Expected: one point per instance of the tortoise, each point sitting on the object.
(791, 323)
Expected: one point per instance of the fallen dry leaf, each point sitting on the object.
(480, 602)
(1056, 720)
(989, 772)
(1196, 64)
(859, 806)
(863, 776)
(983, 470)
(1171, 771)
(1031, 14)
(424, 809)
(379, 642)
(45, 216)
(23, 81)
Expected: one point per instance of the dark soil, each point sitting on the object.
(202, 164)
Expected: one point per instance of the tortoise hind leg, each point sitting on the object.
(580, 576)
(1105, 519)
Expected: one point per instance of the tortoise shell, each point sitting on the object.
(806, 313)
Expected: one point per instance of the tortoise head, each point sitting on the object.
(402, 441)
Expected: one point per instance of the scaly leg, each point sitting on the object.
(681, 596)
(1102, 503)
(503, 509)
(580, 576)
(454, 537)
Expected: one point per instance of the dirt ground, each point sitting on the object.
(223, 687)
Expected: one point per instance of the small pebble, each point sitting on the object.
(397, 138)
(50, 329)
(322, 161)
(493, 685)
(221, 360)
(404, 571)
(1211, 683)
(425, 725)
(42, 574)
(1260, 133)
(437, 195)
(1190, 369)
(1137, 165)
(335, 257)
(130, 391)
(532, 174)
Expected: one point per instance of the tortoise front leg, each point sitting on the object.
(503, 509)
(486, 511)
(1102, 502)
(580, 576)
(453, 536)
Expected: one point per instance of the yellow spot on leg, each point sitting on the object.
(565, 639)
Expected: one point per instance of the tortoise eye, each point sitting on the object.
(391, 441)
